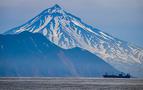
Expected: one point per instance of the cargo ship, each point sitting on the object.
(117, 76)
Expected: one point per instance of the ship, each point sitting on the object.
(121, 75)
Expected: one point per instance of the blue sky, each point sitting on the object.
(121, 18)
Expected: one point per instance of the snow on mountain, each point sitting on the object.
(69, 31)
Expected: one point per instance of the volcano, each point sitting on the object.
(68, 31)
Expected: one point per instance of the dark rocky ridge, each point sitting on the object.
(27, 54)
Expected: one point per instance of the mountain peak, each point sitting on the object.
(56, 6)
(53, 9)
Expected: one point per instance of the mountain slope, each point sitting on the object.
(68, 31)
(28, 54)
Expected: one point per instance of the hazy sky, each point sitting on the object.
(120, 18)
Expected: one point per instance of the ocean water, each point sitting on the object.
(78, 83)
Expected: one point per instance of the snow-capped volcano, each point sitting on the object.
(68, 31)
